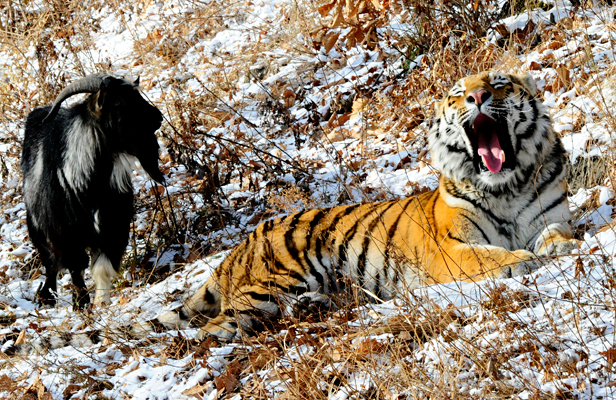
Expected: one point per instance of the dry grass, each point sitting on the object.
(425, 350)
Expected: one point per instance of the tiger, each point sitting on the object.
(500, 206)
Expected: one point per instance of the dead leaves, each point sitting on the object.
(37, 391)
(362, 17)
(610, 355)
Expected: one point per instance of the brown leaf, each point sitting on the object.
(37, 389)
(579, 268)
(369, 346)
(255, 164)
(564, 77)
(326, 8)
(355, 35)
(338, 120)
(522, 35)
(70, 390)
(338, 19)
(329, 41)
(353, 9)
(7, 384)
(229, 380)
(502, 30)
(21, 339)
(610, 354)
(197, 390)
(289, 97)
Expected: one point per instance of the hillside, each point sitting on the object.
(274, 106)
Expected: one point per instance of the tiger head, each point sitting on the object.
(491, 130)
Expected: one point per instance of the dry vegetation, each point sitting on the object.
(232, 157)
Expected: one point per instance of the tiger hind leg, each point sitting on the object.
(243, 312)
(205, 303)
(248, 315)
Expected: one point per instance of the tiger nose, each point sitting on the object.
(479, 97)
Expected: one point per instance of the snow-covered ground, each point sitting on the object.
(290, 113)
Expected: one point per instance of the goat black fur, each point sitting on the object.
(77, 168)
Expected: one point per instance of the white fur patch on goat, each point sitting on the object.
(81, 146)
(97, 221)
(33, 180)
(103, 273)
(121, 176)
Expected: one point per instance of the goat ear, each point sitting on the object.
(136, 82)
(99, 97)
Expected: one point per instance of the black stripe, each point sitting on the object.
(361, 260)
(475, 204)
(455, 238)
(184, 315)
(209, 297)
(434, 199)
(288, 236)
(343, 247)
(294, 253)
(280, 269)
(532, 127)
(267, 297)
(267, 226)
(158, 327)
(541, 188)
(556, 202)
(390, 234)
(478, 228)
(315, 221)
(456, 149)
(323, 236)
(313, 271)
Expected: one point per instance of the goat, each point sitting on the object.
(77, 168)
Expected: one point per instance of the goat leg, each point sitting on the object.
(46, 295)
(76, 262)
(81, 298)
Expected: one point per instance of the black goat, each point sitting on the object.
(77, 165)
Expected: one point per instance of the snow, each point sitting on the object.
(554, 331)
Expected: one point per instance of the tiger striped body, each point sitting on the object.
(501, 202)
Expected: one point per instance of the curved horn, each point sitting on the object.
(89, 84)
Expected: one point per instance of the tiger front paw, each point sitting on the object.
(524, 266)
(559, 248)
(313, 303)
(224, 331)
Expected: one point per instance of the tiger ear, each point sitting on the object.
(529, 82)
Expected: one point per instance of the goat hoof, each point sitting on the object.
(45, 298)
(82, 303)
(46, 303)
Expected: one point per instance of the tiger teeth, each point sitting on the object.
(503, 157)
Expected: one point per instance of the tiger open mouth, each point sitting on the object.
(491, 144)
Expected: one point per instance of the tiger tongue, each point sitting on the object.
(492, 155)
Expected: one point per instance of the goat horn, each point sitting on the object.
(89, 84)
